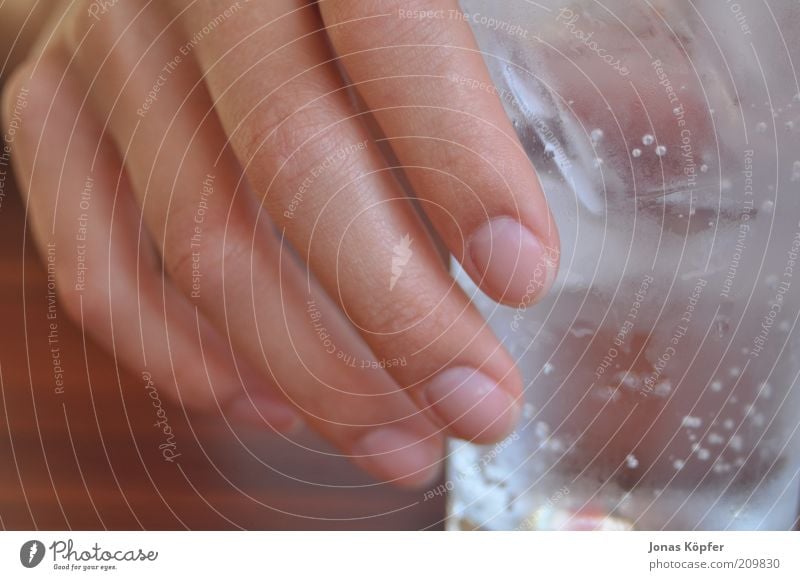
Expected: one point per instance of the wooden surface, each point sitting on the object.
(89, 458)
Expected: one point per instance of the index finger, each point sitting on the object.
(418, 68)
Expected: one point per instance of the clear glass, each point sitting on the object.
(662, 369)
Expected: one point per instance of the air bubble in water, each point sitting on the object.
(678, 464)
(721, 325)
(596, 135)
(796, 171)
(715, 439)
(703, 454)
(547, 368)
(692, 422)
(716, 386)
(528, 410)
(703, 168)
(728, 424)
(735, 372)
(631, 462)
(636, 152)
(663, 388)
(648, 139)
(661, 151)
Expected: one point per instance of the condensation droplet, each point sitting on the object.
(661, 151)
(648, 140)
(735, 372)
(636, 152)
(715, 438)
(703, 454)
(631, 462)
(703, 168)
(678, 464)
(728, 424)
(716, 386)
(547, 368)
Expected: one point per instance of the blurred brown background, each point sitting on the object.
(89, 458)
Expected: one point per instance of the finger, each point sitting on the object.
(281, 101)
(85, 224)
(227, 263)
(416, 65)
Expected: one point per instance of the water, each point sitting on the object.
(661, 370)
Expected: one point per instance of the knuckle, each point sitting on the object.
(289, 140)
(187, 263)
(405, 314)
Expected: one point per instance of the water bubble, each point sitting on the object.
(703, 454)
(661, 151)
(784, 326)
(598, 162)
(692, 422)
(542, 430)
(716, 386)
(728, 424)
(789, 125)
(721, 467)
(721, 325)
(703, 168)
(771, 282)
(735, 372)
(631, 462)
(648, 140)
(736, 443)
(768, 206)
(547, 368)
(725, 184)
(663, 388)
(596, 135)
(758, 420)
(796, 171)
(761, 127)
(636, 152)
(715, 439)
(528, 410)
(678, 464)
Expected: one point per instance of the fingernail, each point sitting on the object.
(471, 404)
(266, 411)
(401, 457)
(513, 264)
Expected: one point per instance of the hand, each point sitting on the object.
(219, 188)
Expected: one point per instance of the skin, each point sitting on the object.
(304, 129)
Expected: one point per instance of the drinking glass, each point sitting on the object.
(661, 371)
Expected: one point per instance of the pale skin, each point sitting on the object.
(223, 170)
